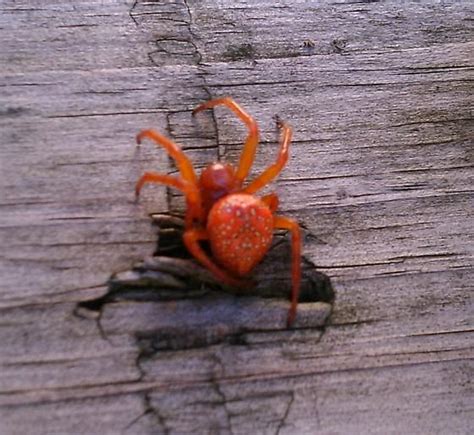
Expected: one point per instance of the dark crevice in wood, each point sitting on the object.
(172, 275)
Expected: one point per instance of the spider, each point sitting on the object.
(237, 224)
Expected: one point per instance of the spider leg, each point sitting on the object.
(250, 146)
(184, 164)
(293, 227)
(271, 200)
(272, 171)
(191, 239)
(193, 197)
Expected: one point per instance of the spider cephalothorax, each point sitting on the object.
(238, 225)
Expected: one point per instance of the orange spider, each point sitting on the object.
(238, 225)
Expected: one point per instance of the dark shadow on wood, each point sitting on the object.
(206, 312)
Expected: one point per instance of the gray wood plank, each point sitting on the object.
(380, 98)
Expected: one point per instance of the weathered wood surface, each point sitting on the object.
(380, 96)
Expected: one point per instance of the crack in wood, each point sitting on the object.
(282, 423)
(213, 380)
(149, 409)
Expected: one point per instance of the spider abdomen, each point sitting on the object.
(240, 228)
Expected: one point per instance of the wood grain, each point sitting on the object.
(380, 98)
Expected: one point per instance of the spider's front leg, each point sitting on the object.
(250, 146)
(182, 162)
(191, 192)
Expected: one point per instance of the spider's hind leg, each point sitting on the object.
(191, 239)
(271, 200)
(294, 228)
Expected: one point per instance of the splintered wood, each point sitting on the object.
(193, 309)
